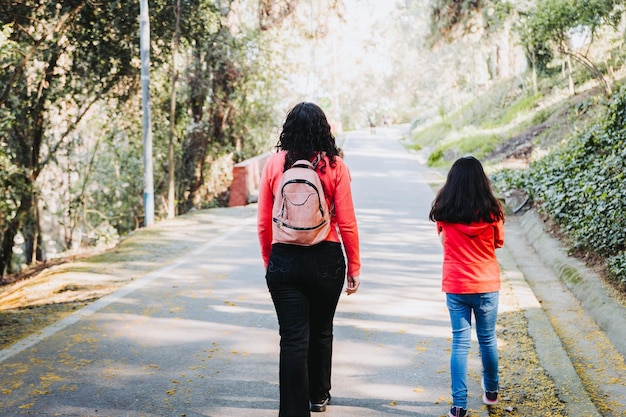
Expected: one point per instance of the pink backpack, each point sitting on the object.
(300, 214)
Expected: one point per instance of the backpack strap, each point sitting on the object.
(308, 164)
(303, 163)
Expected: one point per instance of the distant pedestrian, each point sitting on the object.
(470, 223)
(305, 282)
(372, 123)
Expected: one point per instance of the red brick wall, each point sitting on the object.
(246, 178)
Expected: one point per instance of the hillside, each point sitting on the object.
(549, 151)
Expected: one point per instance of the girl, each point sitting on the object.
(305, 282)
(470, 223)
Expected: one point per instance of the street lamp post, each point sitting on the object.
(148, 187)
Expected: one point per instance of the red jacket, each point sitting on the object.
(338, 192)
(469, 257)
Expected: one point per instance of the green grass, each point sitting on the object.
(478, 145)
(430, 135)
(521, 106)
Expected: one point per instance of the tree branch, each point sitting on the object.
(51, 30)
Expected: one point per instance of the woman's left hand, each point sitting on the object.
(353, 285)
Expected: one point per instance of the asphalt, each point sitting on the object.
(199, 336)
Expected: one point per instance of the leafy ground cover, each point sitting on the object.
(581, 187)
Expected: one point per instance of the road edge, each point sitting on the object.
(585, 284)
(551, 353)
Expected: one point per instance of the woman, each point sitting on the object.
(470, 223)
(305, 282)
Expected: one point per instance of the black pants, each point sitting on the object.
(305, 284)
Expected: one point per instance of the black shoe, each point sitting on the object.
(458, 412)
(320, 406)
(489, 397)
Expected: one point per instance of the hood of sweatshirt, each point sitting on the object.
(473, 229)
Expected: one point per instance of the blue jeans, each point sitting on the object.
(485, 309)
(305, 284)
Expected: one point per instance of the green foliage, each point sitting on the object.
(549, 27)
(69, 58)
(552, 20)
(521, 106)
(70, 113)
(540, 117)
(7, 172)
(616, 266)
(7, 168)
(582, 185)
(435, 156)
(115, 184)
(447, 15)
(477, 145)
(497, 13)
(450, 19)
(430, 134)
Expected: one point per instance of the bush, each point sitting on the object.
(435, 156)
(617, 268)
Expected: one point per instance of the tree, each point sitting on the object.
(474, 43)
(224, 49)
(450, 19)
(211, 76)
(551, 25)
(75, 54)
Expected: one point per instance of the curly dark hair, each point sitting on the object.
(466, 196)
(306, 133)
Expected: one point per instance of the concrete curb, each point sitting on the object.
(552, 355)
(586, 285)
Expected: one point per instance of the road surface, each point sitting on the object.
(199, 337)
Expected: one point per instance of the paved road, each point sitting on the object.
(199, 337)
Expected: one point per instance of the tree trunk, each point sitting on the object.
(13, 227)
(570, 77)
(594, 70)
(194, 152)
(224, 79)
(194, 157)
(535, 86)
(31, 230)
(8, 240)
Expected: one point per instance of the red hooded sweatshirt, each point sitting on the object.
(469, 256)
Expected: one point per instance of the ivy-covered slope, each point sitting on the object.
(581, 186)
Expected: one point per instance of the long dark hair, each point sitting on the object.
(466, 196)
(306, 133)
